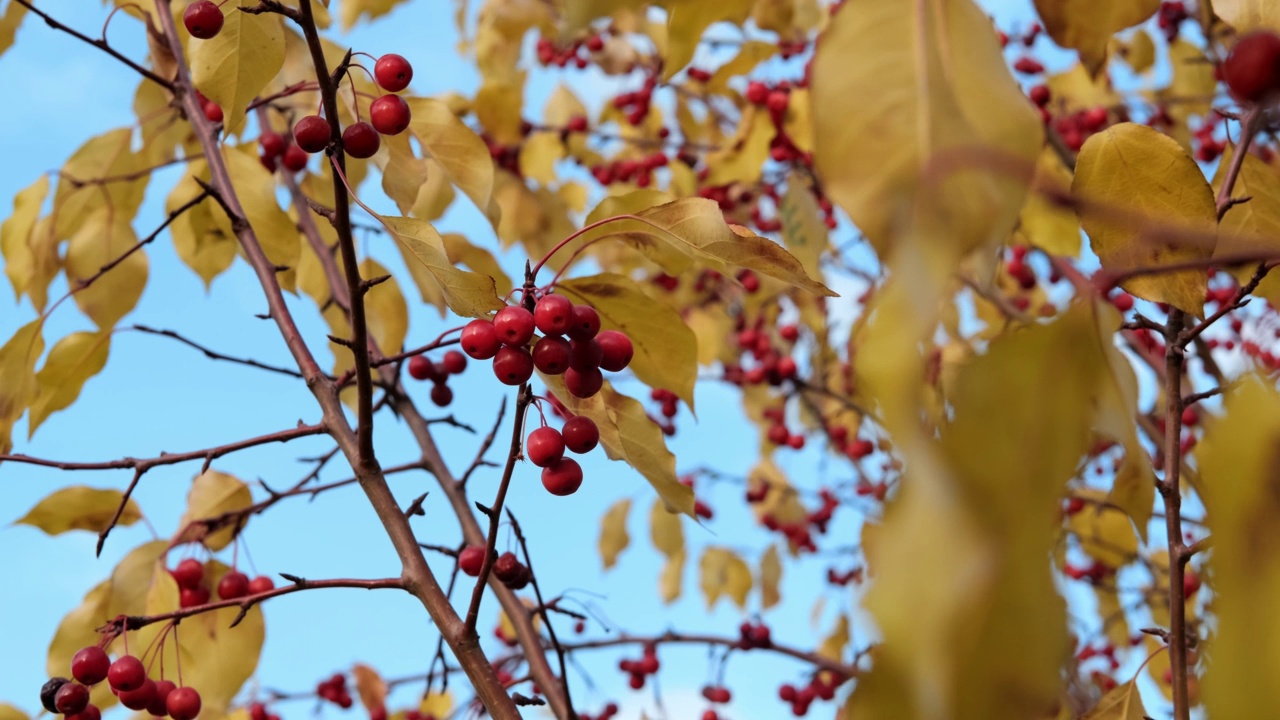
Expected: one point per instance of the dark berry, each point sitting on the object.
(441, 395)
(583, 384)
(551, 355)
(580, 434)
(295, 159)
(312, 133)
(421, 368)
(157, 706)
(586, 322)
(71, 698)
(507, 568)
(1252, 70)
(454, 362)
(360, 140)
(49, 693)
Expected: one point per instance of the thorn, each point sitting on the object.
(293, 579)
(367, 284)
(415, 508)
(339, 341)
(484, 508)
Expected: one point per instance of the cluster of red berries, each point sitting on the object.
(258, 711)
(1095, 573)
(545, 447)
(668, 406)
(334, 690)
(212, 110)
(700, 508)
(1205, 140)
(637, 102)
(754, 636)
(639, 670)
(128, 681)
(606, 713)
(1170, 18)
(550, 55)
(819, 688)
(800, 534)
(580, 358)
(1106, 652)
(772, 364)
(203, 19)
(776, 100)
(388, 114)
(638, 170)
(422, 368)
(841, 579)
(275, 151)
(192, 590)
(507, 568)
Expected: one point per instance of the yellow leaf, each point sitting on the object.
(916, 103)
(1074, 90)
(1254, 225)
(9, 23)
(1248, 15)
(7, 711)
(1104, 532)
(670, 581)
(711, 326)
(1124, 702)
(213, 494)
(371, 687)
(1238, 461)
(102, 156)
(71, 362)
(770, 578)
(613, 532)
(539, 155)
(232, 67)
(200, 241)
(458, 149)
(403, 173)
(687, 20)
(781, 501)
(1112, 615)
(460, 250)
(1044, 223)
(79, 508)
(803, 230)
(740, 159)
(665, 530)
(627, 434)
(561, 106)
(1087, 25)
(351, 12)
(723, 573)
(1139, 52)
(468, 294)
(1193, 84)
(256, 188)
(437, 704)
(104, 238)
(436, 195)
(1133, 178)
(836, 641)
(385, 308)
(15, 232)
(666, 350)
(18, 368)
(750, 54)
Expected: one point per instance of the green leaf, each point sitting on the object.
(468, 294)
(15, 232)
(1087, 25)
(18, 368)
(80, 508)
(458, 149)
(1134, 178)
(72, 361)
(723, 574)
(104, 238)
(666, 350)
(213, 494)
(232, 67)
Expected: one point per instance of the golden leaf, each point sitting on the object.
(770, 577)
(102, 156)
(79, 508)
(1105, 533)
(1124, 702)
(18, 368)
(212, 494)
(256, 188)
(462, 154)
(1248, 15)
(462, 251)
(687, 20)
(9, 23)
(1252, 226)
(836, 641)
(803, 229)
(371, 687)
(1044, 223)
(665, 530)
(7, 711)
(1087, 25)
(613, 532)
(72, 361)
(1139, 52)
(232, 67)
(201, 242)
(385, 308)
(723, 573)
(670, 580)
(740, 159)
(104, 238)
(15, 232)
(468, 294)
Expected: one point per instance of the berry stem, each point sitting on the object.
(661, 230)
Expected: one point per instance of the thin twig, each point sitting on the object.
(100, 44)
(214, 355)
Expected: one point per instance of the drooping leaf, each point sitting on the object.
(468, 294)
(79, 508)
(1087, 25)
(723, 574)
(18, 368)
(1124, 702)
(462, 251)
(666, 531)
(770, 578)
(917, 109)
(837, 640)
(72, 361)
(370, 686)
(803, 230)
(232, 67)
(213, 494)
(462, 154)
(1135, 179)
(78, 197)
(666, 350)
(15, 232)
(671, 579)
(103, 239)
(386, 311)
(613, 532)
(1238, 466)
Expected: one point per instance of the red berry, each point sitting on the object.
(564, 477)
(191, 598)
(1189, 417)
(551, 355)
(441, 395)
(507, 568)
(189, 574)
(454, 362)
(544, 446)
(212, 112)
(312, 133)
(90, 712)
(513, 365)
(553, 314)
(162, 690)
(595, 43)
(203, 19)
(580, 434)
(420, 368)
(471, 559)
(295, 159)
(389, 114)
(514, 325)
(1040, 95)
(126, 673)
(616, 350)
(90, 665)
(393, 72)
(233, 585)
(757, 93)
(71, 698)
(777, 102)
(183, 703)
(585, 355)
(272, 144)
(261, 584)
(1252, 70)
(141, 698)
(480, 340)
(1123, 302)
(360, 140)
(583, 384)
(586, 323)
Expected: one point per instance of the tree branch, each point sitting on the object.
(100, 44)
(1170, 490)
(542, 609)
(820, 662)
(213, 355)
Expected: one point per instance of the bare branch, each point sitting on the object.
(101, 44)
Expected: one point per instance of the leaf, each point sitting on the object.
(437, 704)
(1238, 463)
(1248, 15)
(351, 12)
(627, 434)
(105, 238)
(1254, 225)
(468, 294)
(18, 368)
(750, 54)
(79, 508)
(723, 573)
(72, 361)
(201, 243)
(107, 155)
(1139, 52)
(1044, 223)
(670, 580)
(686, 22)
(7, 711)
(9, 23)
(836, 641)
(1075, 90)
(666, 350)
(539, 155)
(275, 231)
(212, 494)
(386, 311)
(1105, 533)
(770, 577)
(1124, 702)
(613, 532)
(803, 229)
(460, 250)
(15, 232)
(1087, 25)
(916, 101)
(371, 687)
(1133, 179)
(666, 531)
(458, 149)
(740, 159)
(1193, 82)
(232, 67)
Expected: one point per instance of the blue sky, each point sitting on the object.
(156, 395)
